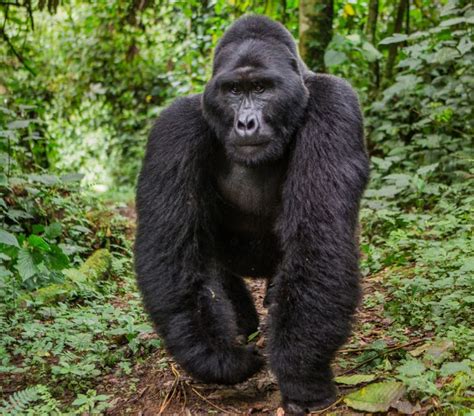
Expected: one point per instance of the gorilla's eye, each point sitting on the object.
(258, 87)
(235, 89)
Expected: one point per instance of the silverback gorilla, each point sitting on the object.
(261, 175)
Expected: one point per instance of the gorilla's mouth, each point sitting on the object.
(251, 147)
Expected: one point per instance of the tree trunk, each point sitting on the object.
(397, 28)
(371, 27)
(371, 32)
(315, 31)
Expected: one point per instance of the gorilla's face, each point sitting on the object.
(255, 101)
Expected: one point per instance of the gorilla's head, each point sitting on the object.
(256, 97)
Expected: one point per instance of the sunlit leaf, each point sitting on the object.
(377, 397)
(412, 368)
(370, 52)
(355, 379)
(456, 367)
(396, 38)
(332, 58)
(72, 177)
(453, 21)
(25, 265)
(8, 239)
(38, 242)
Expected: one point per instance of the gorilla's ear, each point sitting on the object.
(294, 64)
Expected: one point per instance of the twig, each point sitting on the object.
(209, 402)
(15, 52)
(320, 412)
(382, 353)
(171, 392)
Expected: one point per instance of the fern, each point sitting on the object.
(20, 401)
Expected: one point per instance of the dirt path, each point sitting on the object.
(160, 386)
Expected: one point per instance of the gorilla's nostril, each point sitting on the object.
(240, 125)
(251, 124)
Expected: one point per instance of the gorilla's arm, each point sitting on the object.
(180, 282)
(317, 286)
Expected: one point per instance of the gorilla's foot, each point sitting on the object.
(247, 324)
(320, 400)
(297, 408)
(227, 367)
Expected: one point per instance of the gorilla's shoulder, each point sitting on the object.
(179, 123)
(182, 112)
(331, 91)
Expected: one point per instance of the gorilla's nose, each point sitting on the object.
(247, 125)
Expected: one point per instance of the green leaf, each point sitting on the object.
(37, 242)
(25, 264)
(395, 38)
(252, 336)
(445, 54)
(370, 52)
(332, 58)
(58, 260)
(44, 179)
(377, 397)
(424, 170)
(455, 367)
(468, 265)
(19, 124)
(53, 230)
(439, 350)
(465, 45)
(8, 239)
(412, 368)
(355, 379)
(72, 177)
(401, 180)
(453, 21)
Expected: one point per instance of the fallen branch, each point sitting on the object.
(383, 353)
(209, 402)
(322, 411)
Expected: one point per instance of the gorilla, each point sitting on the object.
(261, 175)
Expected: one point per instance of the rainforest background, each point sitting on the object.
(80, 85)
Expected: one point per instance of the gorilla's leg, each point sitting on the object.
(310, 320)
(197, 322)
(269, 293)
(244, 307)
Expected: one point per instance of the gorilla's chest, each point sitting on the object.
(249, 203)
(251, 191)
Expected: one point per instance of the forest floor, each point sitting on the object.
(98, 354)
(160, 386)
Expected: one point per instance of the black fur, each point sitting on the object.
(193, 243)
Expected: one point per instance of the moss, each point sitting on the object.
(47, 295)
(97, 266)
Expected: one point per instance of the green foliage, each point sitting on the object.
(34, 400)
(425, 117)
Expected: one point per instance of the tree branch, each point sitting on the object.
(15, 52)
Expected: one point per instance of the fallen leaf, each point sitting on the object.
(377, 397)
(405, 407)
(439, 351)
(355, 379)
(418, 350)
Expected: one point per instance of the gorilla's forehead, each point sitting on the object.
(252, 55)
